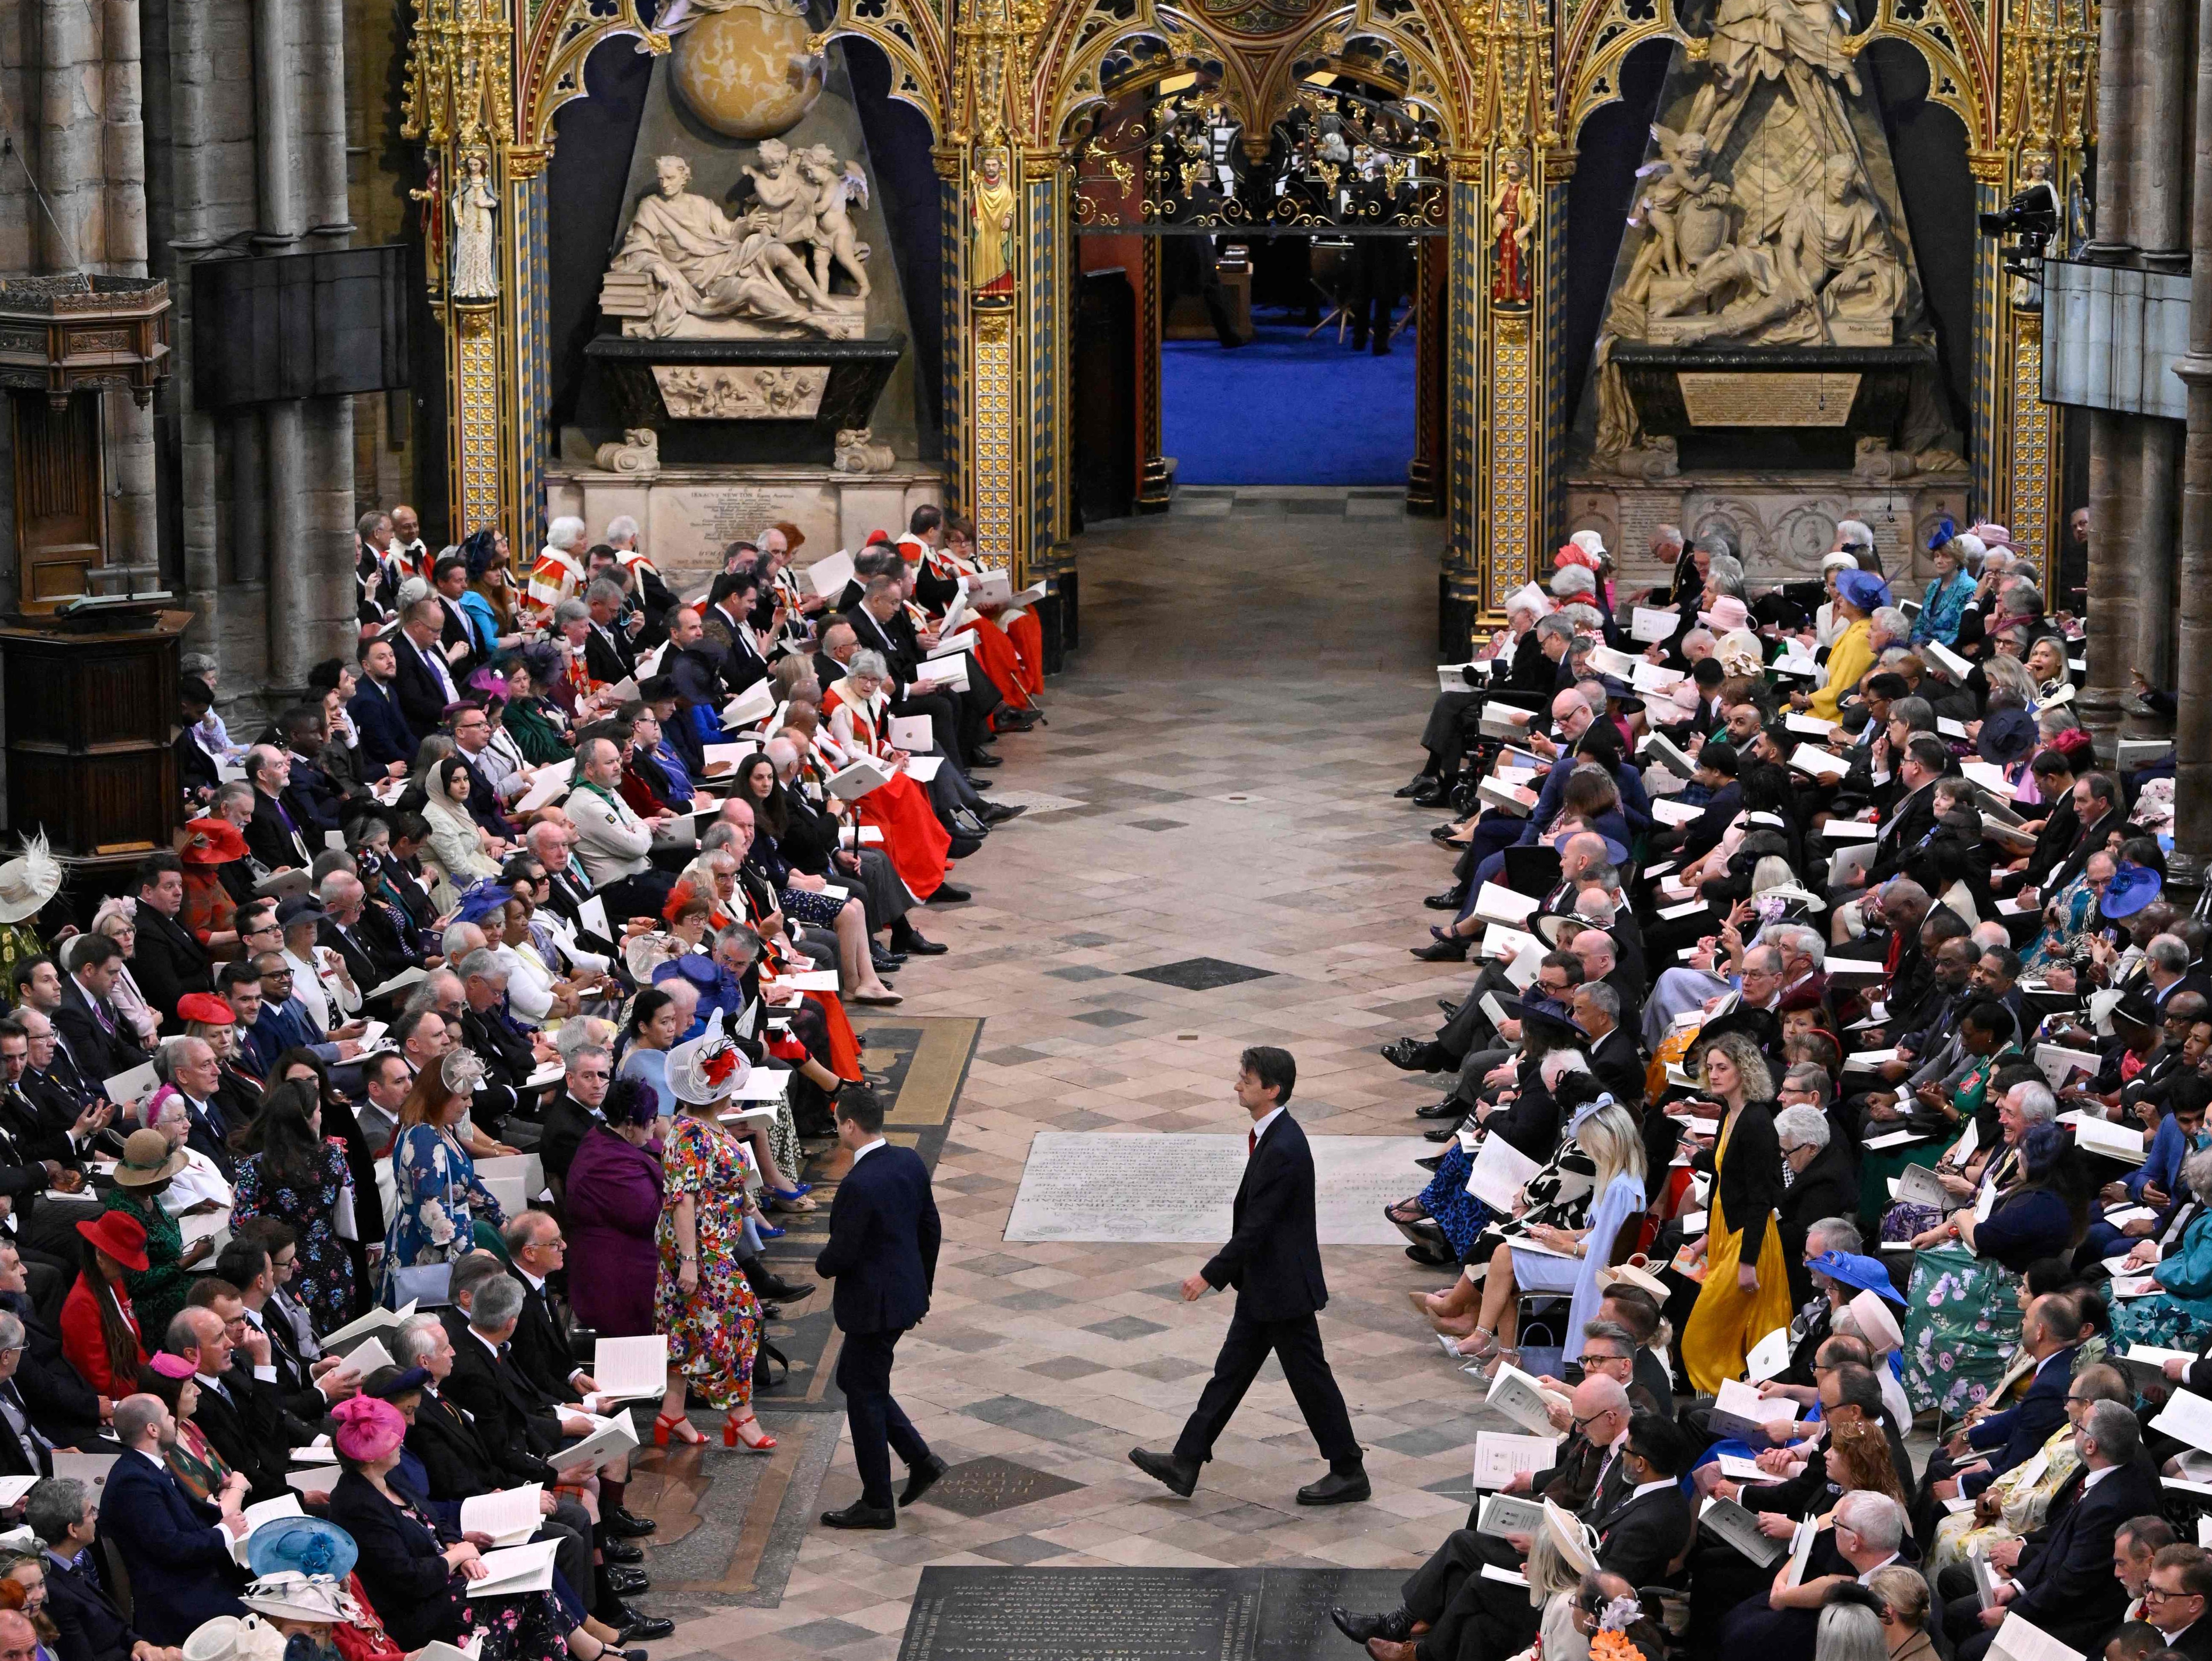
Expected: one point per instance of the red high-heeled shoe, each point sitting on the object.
(733, 1435)
(686, 1434)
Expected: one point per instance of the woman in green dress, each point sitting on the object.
(157, 1291)
(536, 724)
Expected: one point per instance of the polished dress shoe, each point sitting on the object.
(1414, 785)
(1395, 1627)
(886, 963)
(1450, 900)
(1445, 950)
(622, 1525)
(1430, 794)
(980, 757)
(1413, 1055)
(998, 813)
(947, 894)
(1339, 1488)
(860, 1515)
(920, 1478)
(1180, 1476)
(967, 823)
(628, 1583)
(965, 847)
(1431, 1162)
(640, 1628)
(915, 945)
(1443, 1110)
(619, 1551)
(1015, 721)
(767, 1283)
(1442, 1133)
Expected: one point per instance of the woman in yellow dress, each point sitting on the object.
(1746, 1292)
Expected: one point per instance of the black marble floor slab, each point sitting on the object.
(963, 1614)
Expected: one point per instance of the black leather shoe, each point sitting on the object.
(1430, 794)
(1395, 1627)
(620, 1551)
(963, 847)
(860, 1515)
(886, 963)
(1431, 1162)
(1337, 1488)
(1416, 785)
(643, 1626)
(998, 813)
(1453, 951)
(915, 945)
(628, 1583)
(1443, 1110)
(921, 1478)
(767, 1283)
(1450, 900)
(984, 759)
(623, 1525)
(1413, 1055)
(1179, 1475)
(947, 894)
(1442, 1133)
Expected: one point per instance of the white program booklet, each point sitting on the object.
(1499, 1457)
(631, 1369)
(2023, 1641)
(1769, 1356)
(1652, 626)
(1738, 1527)
(1499, 1172)
(2186, 1417)
(829, 574)
(912, 733)
(510, 1516)
(516, 1569)
(1520, 1398)
(1507, 1513)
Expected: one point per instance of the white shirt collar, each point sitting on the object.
(865, 1149)
(2176, 1632)
(1642, 1488)
(2047, 1361)
(534, 1283)
(1260, 1125)
(1868, 1575)
(2090, 1479)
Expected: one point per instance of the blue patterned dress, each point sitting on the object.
(436, 1202)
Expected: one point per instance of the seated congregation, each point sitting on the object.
(1821, 1131)
(532, 938)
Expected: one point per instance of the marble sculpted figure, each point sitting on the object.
(687, 268)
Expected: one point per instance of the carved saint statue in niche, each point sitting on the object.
(991, 230)
(475, 214)
(1512, 232)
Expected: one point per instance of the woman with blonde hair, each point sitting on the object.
(437, 1197)
(1745, 1293)
(1905, 1605)
(118, 919)
(1607, 1132)
(1553, 1581)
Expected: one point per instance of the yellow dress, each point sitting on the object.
(1728, 1320)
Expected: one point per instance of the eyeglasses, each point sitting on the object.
(2163, 1595)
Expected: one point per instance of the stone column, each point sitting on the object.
(1459, 584)
(193, 91)
(2192, 737)
(134, 518)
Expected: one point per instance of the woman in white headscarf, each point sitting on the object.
(458, 842)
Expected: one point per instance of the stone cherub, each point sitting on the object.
(1683, 209)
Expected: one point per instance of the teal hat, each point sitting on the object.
(300, 1545)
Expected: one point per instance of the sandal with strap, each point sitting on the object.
(733, 1435)
(680, 1428)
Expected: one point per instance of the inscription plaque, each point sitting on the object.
(1137, 1615)
(980, 1487)
(1813, 398)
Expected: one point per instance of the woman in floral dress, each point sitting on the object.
(292, 1171)
(701, 1299)
(436, 1201)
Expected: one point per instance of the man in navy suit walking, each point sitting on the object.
(1274, 1260)
(883, 1235)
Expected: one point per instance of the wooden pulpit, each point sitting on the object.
(90, 712)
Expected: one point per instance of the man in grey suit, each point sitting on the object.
(1274, 1260)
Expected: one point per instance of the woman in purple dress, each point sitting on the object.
(613, 1206)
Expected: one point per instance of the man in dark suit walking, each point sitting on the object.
(883, 1235)
(1274, 1260)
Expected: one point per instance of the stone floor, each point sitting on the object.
(1215, 783)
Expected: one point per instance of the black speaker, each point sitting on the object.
(285, 326)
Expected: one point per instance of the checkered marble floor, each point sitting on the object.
(1247, 695)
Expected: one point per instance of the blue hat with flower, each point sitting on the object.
(300, 1545)
(1858, 1271)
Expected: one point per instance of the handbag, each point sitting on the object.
(428, 1285)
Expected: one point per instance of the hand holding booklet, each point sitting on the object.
(510, 1516)
(1739, 1410)
(1737, 1527)
(1499, 1172)
(516, 1569)
(1506, 1514)
(1520, 1398)
(1499, 1458)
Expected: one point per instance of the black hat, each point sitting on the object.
(1543, 1009)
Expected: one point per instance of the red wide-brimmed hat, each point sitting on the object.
(212, 841)
(121, 1237)
(205, 1008)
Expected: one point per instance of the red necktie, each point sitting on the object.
(1251, 1143)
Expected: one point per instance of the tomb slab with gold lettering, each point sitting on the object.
(1804, 406)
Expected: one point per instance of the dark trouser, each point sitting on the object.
(1962, 1621)
(50, 1230)
(1470, 1029)
(1297, 1343)
(878, 887)
(1443, 737)
(1468, 1620)
(641, 895)
(569, 1528)
(864, 1373)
